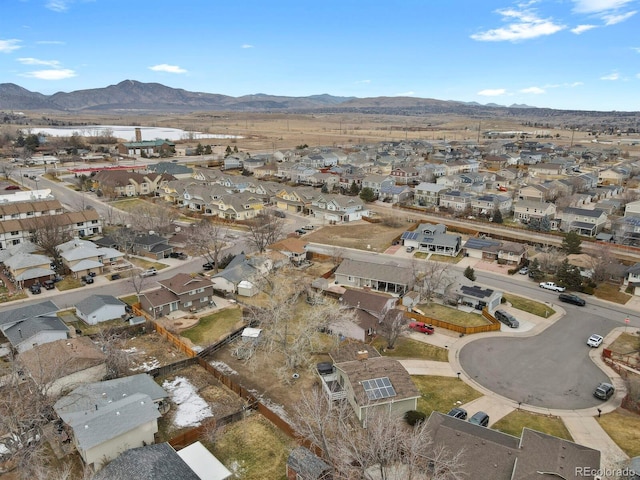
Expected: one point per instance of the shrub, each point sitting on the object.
(413, 417)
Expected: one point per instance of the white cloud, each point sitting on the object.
(638, 75)
(612, 19)
(8, 46)
(492, 92)
(35, 61)
(57, 74)
(563, 85)
(57, 5)
(50, 42)
(247, 45)
(534, 90)
(362, 81)
(582, 28)
(526, 25)
(636, 49)
(611, 76)
(405, 94)
(163, 67)
(598, 6)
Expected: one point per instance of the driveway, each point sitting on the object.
(550, 370)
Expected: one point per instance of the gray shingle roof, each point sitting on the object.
(14, 315)
(95, 302)
(18, 333)
(153, 462)
(307, 465)
(390, 272)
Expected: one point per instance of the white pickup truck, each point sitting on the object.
(552, 286)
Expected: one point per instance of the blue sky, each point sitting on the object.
(567, 54)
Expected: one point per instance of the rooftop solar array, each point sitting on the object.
(378, 388)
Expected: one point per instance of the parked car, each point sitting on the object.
(523, 270)
(149, 272)
(279, 214)
(604, 391)
(480, 418)
(571, 298)
(410, 249)
(300, 231)
(506, 318)
(595, 340)
(552, 286)
(180, 255)
(422, 327)
(457, 412)
(12, 187)
(115, 276)
(208, 266)
(87, 279)
(49, 284)
(35, 289)
(308, 227)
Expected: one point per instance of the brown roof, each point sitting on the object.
(160, 297)
(347, 351)
(25, 207)
(366, 300)
(378, 367)
(54, 360)
(183, 283)
(291, 244)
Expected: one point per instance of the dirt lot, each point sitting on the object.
(360, 235)
(150, 351)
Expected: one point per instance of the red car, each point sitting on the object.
(422, 327)
(12, 187)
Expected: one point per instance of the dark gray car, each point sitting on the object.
(506, 318)
(480, 418)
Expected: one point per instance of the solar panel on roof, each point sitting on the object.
(378, 388)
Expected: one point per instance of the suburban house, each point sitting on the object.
(613, 176)
(375, 182)
(389, 277)
(392, 193)
(405, 175)
(456, 200)
(464, 292)
(487, 204)
(488, 453)
(241, 269)
(431, 238)
(26, 269)
(338, 208)
(293, 248)
(100, 308)
(632, 209)
(147, 147)
(525, 210)
(583, 221)
(107, 418)
(295, 200)
(162, 462)
(58, 366)
(31, 325)
(375, 383)
(535, 193)
(632, 277)
(426, 194)
(122, 183)
(29, 209)
(303, 464)
(177, 170)
(181, 292)
(626, 230)
(151, 245)
(83, 257)
(509, 253)
(237, 206)
(370, 309)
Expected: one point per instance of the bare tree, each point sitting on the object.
(602, 264)
(207, 239)
(150, 217)
(264, 230)
(118, 361)
(430, 277)
(392, 326)
(6, 169)
(48, 233)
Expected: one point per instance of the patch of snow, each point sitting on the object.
(133, 350)
(146, 366)
(197, 348)
(223, 367)
(192, 408)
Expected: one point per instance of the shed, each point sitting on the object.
(305, 465)
(251, 334)
(247, 289)
(100, 308)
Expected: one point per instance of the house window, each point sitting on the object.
(200, 290)
(79, 224)
(15, 215)
(14, 233)
(204, 299)
(187, 304)
(30, 214)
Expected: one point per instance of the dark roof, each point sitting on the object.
(368, 301)
(149, 239)
(95, 302)
(105, 242)
(348, 350)
(308, 465)
(390, 272)
(26, 329)
(183, 282)
(476, 291)
(584, 212)
(28, 311)
(153, 462)
(480, 243)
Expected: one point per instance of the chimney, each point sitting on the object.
(138, 134)
(362, 355)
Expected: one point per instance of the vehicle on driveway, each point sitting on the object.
(604, 391)
(208, 266)
(279, 214)
(35, 289)
(552, 286)
(12, 187)
(49, 284)
(506, 318)
(116, 276)
(523, 270)
(149, 272)
(410, 249)
(422, 327)
(300, 231)
(180, 255)
(86, 279)
(457, 412)
(480, 418)
(571, 298)
(595, 340)
(308, 227)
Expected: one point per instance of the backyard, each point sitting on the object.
(441, 394)
(453, 315)
(374, 237)
(214, 327)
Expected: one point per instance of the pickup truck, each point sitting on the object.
(552, 286)
(149, 272)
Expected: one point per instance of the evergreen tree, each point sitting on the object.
(545, 224)
(367, 194)
(324, 188)
(199, 149)
(571, 244)
(228, 151)
(207, 150)
(354, 190)
(497, 216)
(535, 271)
(569, 275)
(470, 273)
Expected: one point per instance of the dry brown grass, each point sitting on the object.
(358, 235)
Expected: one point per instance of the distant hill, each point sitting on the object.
(132, 97)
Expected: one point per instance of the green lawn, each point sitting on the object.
(441, 394)
(624, 429)
(128, 205)
(453, 315)
(519, 419)
(130, 299)
(212, 328)
(526, 305)
(409, 348)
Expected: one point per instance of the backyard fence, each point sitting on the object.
(493, 326)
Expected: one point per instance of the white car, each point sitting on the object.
(552, 286)
(595, 341)
(149, 272)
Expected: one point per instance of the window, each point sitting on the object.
(15, 233)
(200, 290)
(204, 299)
(187, 304)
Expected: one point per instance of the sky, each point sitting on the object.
(563, 54)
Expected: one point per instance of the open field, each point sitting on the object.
(358, 235)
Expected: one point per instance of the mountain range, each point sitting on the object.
(135, 97)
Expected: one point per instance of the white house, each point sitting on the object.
(100, 308)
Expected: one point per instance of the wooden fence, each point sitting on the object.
(493, 326)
